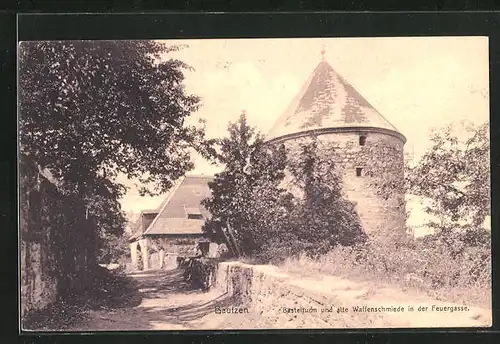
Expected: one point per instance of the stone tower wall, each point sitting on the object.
(378, 192)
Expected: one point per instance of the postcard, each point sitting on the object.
(232, 184)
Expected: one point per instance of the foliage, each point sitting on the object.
(200, 273)
(324, 218)
(455, 175)
(246, 194)
(269, 221)
(51, 251)
(113, 249)
(230, 188)
(91, 110)
(427, 264)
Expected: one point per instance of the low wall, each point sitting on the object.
(289, 301)
(267, 291)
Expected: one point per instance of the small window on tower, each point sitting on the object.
(193, 213)
(358, 171)
(362, 140)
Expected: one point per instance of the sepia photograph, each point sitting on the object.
(235, 184)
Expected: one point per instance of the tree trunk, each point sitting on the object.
(233, 240)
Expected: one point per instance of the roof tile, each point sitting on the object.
(172, 214)
(327, 100)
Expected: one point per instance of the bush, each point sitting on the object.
(454, 270)
(279, 248)
(315, 219)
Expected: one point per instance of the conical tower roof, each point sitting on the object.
(328, 101)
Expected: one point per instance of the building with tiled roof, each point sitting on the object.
(177, 223)
(366, 148)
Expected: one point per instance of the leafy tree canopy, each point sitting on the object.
(90, 110)
(324, 218)
(246, 192)
(455, 175)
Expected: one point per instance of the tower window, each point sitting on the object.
(362, 140)
(195, 216)
(358, 171)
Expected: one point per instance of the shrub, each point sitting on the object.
(266, 219)
(452, 269)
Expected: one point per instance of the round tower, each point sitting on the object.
(366, 148)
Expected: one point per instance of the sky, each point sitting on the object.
(416, 83)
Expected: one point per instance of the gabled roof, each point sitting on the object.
(327, 100)
(172, 218)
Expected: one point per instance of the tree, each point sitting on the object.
(324, 218)
(271, 203)
(455, 176)
(245, 194)
(91, 110)
(269, 220)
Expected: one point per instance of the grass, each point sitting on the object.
(407, 265)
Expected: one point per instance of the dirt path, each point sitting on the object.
(161, 300)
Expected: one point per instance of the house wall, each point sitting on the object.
(181, 245)
(161, 252)
(54, 245)
(378, 193)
